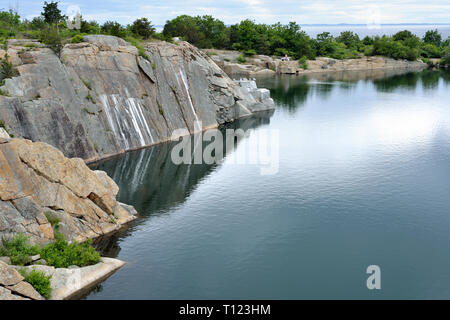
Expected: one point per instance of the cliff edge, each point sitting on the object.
(103, 97)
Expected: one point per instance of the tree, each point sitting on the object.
(433, 37)
(214, 31)
(10, 19)
(143, 28)
(186, 27)
(350, 39)
(52, 14)
(113, 28)
(37, 23)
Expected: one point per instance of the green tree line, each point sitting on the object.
(247, 36)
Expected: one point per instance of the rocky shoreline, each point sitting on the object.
(261, 65)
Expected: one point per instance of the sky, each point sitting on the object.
(262, 11)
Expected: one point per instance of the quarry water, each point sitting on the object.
(364, 179)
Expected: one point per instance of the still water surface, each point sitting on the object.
(364, 178)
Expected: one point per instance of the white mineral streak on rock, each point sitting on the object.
(197, 126)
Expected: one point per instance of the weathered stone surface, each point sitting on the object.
(6, 260)
(25, 289)
(8, 275)
(6, 294)
(36, 178)
(102, 98)
(4, 135)
(67, 282)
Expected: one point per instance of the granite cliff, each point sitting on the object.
(101, 97)
(39, 185)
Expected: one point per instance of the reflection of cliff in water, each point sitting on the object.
(291, 92)
(153, 184)
(428, 79)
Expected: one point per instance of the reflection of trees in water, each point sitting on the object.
(428, 79)
(153, 184)
(290, 92)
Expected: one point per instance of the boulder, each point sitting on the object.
(4, 136)
(6, 294)
(25, 289)
(8, 275)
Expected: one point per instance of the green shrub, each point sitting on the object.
(430, 50)
(426, 60)
(61, 254)
(90, 98)
(241, 59)
(6, 69)
(54, 221)
(39, 281)
(87, 84)
(249, 52)
(18, 249)
(52, 39)
(137, 43)
(302, 63)
(77, 39)
(446, 58)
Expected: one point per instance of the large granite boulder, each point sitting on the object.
(37, 181)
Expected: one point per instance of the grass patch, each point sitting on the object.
(137, 43)
(39, 281)
(90, 98)
(4, 93)
(54, 221)
(18, 249)
(61, 254)
(241, 59)
(87, 84)
(154, 66)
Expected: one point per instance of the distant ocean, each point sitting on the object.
(387, 29)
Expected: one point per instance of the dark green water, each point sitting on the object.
(364, 179)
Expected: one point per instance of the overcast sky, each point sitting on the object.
(266, 11)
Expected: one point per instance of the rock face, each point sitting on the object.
(102, 98)
(37, 181)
